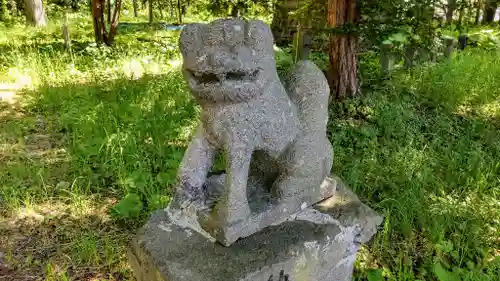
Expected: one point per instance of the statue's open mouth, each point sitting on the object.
(214, 78)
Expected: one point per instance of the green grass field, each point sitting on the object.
(90, 145)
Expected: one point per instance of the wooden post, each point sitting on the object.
(409, 56)
(301, 43)
(449, 43)
(386, 62)
(65, 31)
(424, 55)
(462, 41)
(150, 12)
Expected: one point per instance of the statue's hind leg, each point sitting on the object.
(306, 164)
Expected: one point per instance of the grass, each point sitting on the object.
(90, 145)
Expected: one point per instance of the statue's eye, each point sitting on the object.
(238, 75)
(209, 77)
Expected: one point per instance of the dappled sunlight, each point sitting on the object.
(72, 236)
(471, 206)
(490, 110)
(74, 206)
(177, 63)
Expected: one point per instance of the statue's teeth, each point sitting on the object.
(221, 76)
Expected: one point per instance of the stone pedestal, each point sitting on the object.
(319, 243)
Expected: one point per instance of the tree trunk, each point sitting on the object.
(3, 10)
(98, 20)
(115, 21)
(100, 32)
(179, 10)
(342, 53)
(460, 19)
(478, 12)
(134, 4)
(490, 10)
(35, 14)
(150, 12)
(108, 7)
(172, 10)
(450, 9)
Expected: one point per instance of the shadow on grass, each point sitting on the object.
(132, 27)
(53, 242)
(48, 47)
(69, 154)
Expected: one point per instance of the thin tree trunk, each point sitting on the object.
(100, 32)
(35, 14)
(66, 36)
(343, 68)
(460, 19)
(115, 21)
(489, 11)
(150, 2)
(108, 7)
(172, 10)
(98, 20)
(3, 10)
(450, 9)
(478, 12)
(134, 4)
(179, 10)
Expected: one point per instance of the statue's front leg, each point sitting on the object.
(194, 168)
(233, 204)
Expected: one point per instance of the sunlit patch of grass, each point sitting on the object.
(72, 236)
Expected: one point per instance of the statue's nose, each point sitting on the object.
(223, 60)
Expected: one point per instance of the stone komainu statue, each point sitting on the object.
(273, 134)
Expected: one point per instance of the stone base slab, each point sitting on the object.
(315, 244)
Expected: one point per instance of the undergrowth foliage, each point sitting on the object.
(90, 145)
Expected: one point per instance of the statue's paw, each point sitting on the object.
(233, 213)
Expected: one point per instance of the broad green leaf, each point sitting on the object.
(129, 207)
(443, 274)
(374, 275)
(399, 37)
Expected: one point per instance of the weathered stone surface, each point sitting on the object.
(265, 210)
(315, 244)
(270, 134)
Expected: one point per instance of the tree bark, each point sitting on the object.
(35, 14)
(150, 11)
(460, 18)
(3, 10)
(478, 12)
(490, 9)
(100, 32)
(172, 9)
(134, 4)
(342, 53)
(179, 10)
(450, 9)
(108, 8)
(98, 20)
(115, 21)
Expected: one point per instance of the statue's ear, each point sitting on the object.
(190, 39)
(259, 36)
